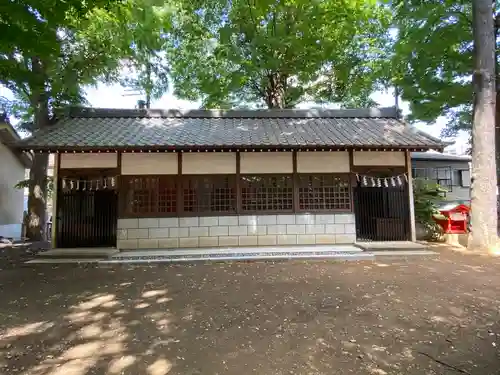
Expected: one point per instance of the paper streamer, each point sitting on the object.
(382, 181)
(90, 185)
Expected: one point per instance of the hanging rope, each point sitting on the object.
(393, 181)
(103, 183)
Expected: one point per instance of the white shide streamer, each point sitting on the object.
(393, 181)
(91, 185)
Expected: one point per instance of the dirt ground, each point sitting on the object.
(423, 316)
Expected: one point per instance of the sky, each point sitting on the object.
(115, 96)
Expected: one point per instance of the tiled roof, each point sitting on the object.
(439, 156)
(85, 128)
(8, 137)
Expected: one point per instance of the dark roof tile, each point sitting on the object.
(101, 128)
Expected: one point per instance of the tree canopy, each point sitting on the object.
(434, 60)
(279, 53)
(145, 63)
(48, 50)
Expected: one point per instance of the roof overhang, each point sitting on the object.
(9, 138)
(228, 148)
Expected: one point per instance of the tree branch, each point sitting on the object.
(251, 17)
(255, 86)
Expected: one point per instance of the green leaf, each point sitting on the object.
(279, 53)
(433, 60)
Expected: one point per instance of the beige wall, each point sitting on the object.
(11, 199)
(323, 162)
(101, 160)
(266, 162)
(149, 163)
(209, 163)
(379, 158)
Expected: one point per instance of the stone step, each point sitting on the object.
(391, 246)
(53, 260)
(238, 256)
(78, 253)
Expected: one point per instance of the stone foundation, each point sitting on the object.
(225, 231)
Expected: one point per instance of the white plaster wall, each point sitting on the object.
(149, 163)
(379, 158)
(247, 230)
(11, 199)
(100, 160)
(323, 162)
(209, 163)
(266, 162)
(11, 231)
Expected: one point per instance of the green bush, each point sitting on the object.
(426, 196)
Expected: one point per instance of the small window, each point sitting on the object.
(324, 192)
(207, 194)
(146, 195)
(266, 193)
(465, 180)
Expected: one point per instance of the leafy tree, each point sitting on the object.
(146, 62)
(433, 59)
(279, 53)
(48, 49)
(483, 198)
(433, 66)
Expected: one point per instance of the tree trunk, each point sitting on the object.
(275, 91)
(149, 85)
(37, 198)
(483, 235)
(497, 134)
(496, 20)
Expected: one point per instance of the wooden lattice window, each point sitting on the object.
(150, 195)
(209, 194)
(266, 193)
(324, 192)
(167, 194)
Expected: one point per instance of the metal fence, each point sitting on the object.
(382, 213)
(87, 218)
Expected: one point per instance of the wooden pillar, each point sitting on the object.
(119, 187)
(413, 231)
(179, 185)
(238, 183)
(56, 187)
(352, 178)
(295, 183)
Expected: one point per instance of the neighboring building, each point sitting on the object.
(452, 172)
(50, 173)
(12, 170)
(168, 179)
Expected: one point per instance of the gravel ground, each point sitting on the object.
(422, 316)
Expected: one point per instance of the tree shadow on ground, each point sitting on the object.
(251, 318)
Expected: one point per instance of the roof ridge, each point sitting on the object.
(85, 112)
